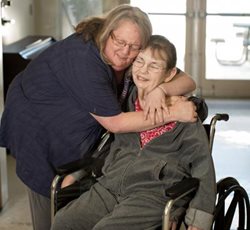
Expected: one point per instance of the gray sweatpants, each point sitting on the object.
(98, 209)
(40, 210)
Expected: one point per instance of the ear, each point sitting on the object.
(170, 74)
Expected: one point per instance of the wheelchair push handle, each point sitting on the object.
(218, 117)
(222, 116)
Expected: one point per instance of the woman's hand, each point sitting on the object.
(155, 107)
(193, 228)
(68, 180)
(181, 109)
(172, 226)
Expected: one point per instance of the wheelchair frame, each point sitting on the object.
(225, 187)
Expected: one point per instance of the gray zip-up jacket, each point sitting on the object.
(180, 153)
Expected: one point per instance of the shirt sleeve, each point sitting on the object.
(199, 218)
(201, 207)
(86, 78)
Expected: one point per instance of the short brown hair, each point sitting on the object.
(164, 48)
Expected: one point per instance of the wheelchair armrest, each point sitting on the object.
(183, 188)
(176, 192)
(74, 166)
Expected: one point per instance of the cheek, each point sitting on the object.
(160, 79)
(108, 51)
(134, 55)
(155, 81)
(134, 70)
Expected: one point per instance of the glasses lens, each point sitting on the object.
(155, 68)
(121, 43)
(138, 62)
(135, 47)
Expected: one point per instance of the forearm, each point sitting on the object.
(182, 111)
(129, 122)
(181, 84)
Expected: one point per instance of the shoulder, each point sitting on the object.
(192, 130)
(74, 45)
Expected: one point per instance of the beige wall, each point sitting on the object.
(47, 18)
(109, 4)
(103, 7)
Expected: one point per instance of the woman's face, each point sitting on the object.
(148, 70)
(123, 45)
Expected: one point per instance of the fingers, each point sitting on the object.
(155, 114)
(68, 180)
(152, 116)
(193, 228)
(146, 111)
(173, 226)
(164, 106)
(153, 105)
(159, 115)
(184, 111)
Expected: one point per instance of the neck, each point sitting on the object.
(119, 76)
(141, 97)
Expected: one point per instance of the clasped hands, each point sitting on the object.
(174, 108)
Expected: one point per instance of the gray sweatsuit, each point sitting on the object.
(131, 193)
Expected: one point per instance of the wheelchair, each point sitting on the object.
(228, 189)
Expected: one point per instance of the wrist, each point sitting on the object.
(163, 89)
(171, 115)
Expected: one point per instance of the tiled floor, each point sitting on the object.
(15, 215)
(231, 154)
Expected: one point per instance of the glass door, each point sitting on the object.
(228, 40)
(227, 48)
(168, 18)
(212, 38)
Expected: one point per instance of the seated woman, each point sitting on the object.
(141, 166)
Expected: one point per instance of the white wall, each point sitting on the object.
(22, 12)
(44, 17)
(3, 166)
(31, 17)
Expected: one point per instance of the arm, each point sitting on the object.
(180, 84)
(182, 110)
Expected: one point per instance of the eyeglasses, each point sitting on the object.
(151, 67)
(122, 44)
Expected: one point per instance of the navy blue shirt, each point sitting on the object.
(46, 120)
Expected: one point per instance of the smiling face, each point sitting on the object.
(149, 69)
(123, 45)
